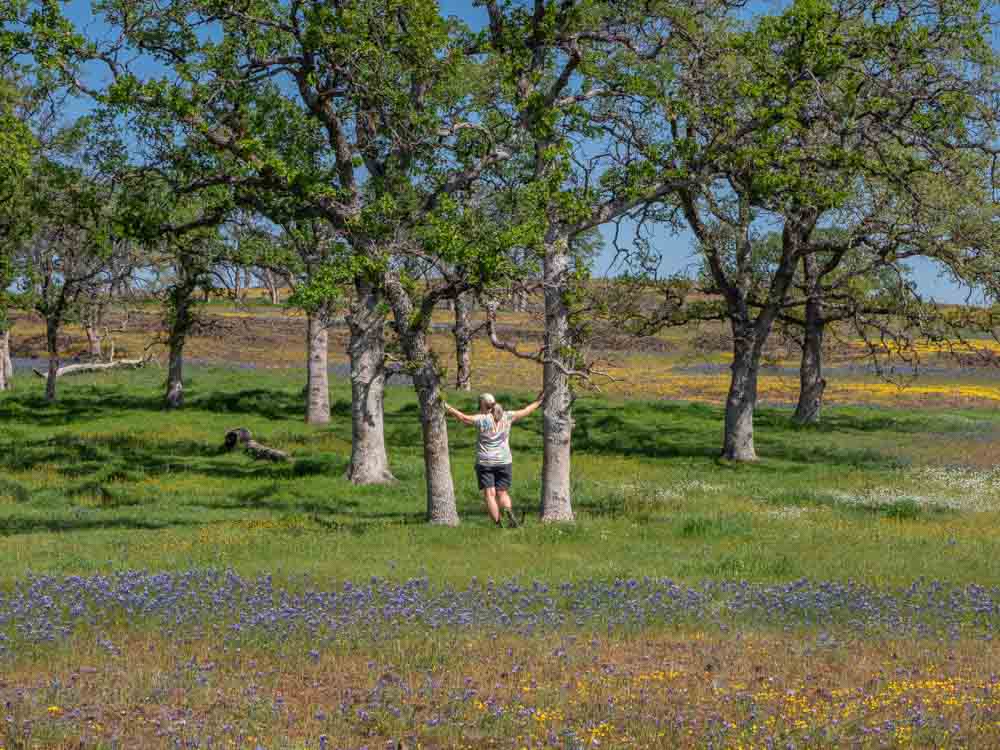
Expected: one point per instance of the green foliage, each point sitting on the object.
(18, 147)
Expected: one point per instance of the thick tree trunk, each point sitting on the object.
(441, 505)
(6, 367)
(742, 399)
(557, 418)
(369, 461)
(811, 382)
(180, 326)
(463, 341)
(52, 346)
(318, 376)
(175, 374)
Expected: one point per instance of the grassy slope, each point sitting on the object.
(105, 480)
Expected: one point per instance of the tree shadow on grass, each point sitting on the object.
(781, 419)
(83, 404)
(91, 522)
(329, 513)
(76, 406)
(134, 457)
(260, 402)
(694, 431)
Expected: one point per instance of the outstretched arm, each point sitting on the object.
(520, 413)
(457, 414)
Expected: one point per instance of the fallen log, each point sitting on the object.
(257, 451)
(85, 367)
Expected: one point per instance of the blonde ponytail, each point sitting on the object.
(488, 401)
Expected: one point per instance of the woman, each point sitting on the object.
(493, 457)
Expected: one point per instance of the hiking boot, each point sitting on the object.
(509, 514)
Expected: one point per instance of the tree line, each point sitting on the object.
(382, 158)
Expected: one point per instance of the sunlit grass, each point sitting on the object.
(104, 480)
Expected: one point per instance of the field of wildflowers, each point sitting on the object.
(157, 592)
(958, 374)
(209, 659)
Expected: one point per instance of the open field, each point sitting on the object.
(104, 477)
(155, 591)
(689, 364)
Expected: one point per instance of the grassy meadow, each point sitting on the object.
(104, 479)
(156, 591)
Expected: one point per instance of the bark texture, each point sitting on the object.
(318, 376)
(6, 366)
(369, 461)
(441, 506)
(737, 442)
(94, 342)
(175, 375)
(557, 418)
(811, 381)
(52, 346)
(270, 279)
(181, 322)
(519, 301)
(463, 341)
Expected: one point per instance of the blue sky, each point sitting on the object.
(676, 248)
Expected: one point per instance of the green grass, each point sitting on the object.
(105, 480)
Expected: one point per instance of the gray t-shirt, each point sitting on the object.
(493, 448)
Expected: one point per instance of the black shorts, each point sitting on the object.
(495, 476)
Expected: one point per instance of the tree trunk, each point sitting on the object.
(6, 367)
(557, 419)
(271, 280)
(94, 341)
(318, 376)
(180, 325)
(237, 285)
(811, 382)
(463, 341)
(441, 506)
(175, 374)
(52, 346)
(369, 461)
(742, 399)
(519, 301)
